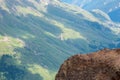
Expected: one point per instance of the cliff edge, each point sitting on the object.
(101, 65)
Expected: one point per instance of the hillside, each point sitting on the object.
(115, 15)
(106, 5)
(110, 7)
(37, 36)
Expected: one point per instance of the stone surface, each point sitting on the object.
(101, 65)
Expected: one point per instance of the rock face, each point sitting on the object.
(101, 65)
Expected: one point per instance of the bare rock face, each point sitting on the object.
(101, 65)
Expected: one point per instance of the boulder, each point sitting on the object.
(101, 65)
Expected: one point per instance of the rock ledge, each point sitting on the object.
(101, 65)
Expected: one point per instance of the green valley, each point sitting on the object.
(36, 37)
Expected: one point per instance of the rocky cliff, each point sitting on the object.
(101, 65)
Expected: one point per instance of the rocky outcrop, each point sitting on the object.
(101, 65)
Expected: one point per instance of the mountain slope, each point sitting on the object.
(40, 35)
(106, 5)
(110, 7)
(115, 15)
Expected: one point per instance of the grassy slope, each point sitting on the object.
(33, 35)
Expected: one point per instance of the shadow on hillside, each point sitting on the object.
(10, 70)
(49, 51)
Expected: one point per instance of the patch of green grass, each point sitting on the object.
(8, 44)
(3, 5)
(43, 72)
(67, 33)
(28, 10)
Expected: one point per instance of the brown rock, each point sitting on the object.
(101, 65)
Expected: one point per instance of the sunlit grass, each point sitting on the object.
(28, 10)
(8, 44)
(27, 36)
(3, 5)
(67, 33)
(43, 72)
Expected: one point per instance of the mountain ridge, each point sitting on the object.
(107, 6)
